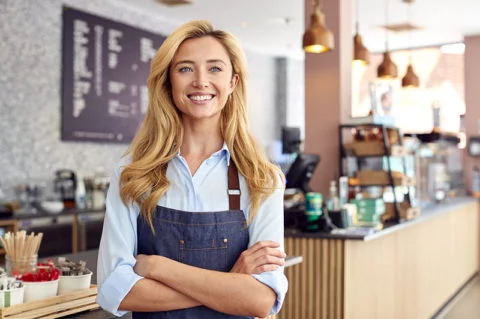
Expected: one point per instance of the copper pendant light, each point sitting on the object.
(387, 69)
(410, 80)
(318, 38)
(361, 55)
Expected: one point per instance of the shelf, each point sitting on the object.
(374, 185)
(387, 126)
(370, 140)
(372, 149)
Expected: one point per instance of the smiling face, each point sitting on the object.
(202, 78)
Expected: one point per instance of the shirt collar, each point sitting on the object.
(224, 151)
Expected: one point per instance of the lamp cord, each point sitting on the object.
(358, 15)
(409, 16)
(386, 23)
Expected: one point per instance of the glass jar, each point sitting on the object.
(20, 265)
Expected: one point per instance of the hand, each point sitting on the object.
(261, 257)
(144, 265)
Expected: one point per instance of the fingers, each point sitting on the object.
(269, 259)
(264, 244)
(267, 252)
(264, 268)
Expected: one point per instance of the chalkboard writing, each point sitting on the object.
(105, 68)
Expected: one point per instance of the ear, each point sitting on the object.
(234, 82)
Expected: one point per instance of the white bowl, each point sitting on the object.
(72, 283)
(13, 296)
(40, 290)
(52, 207)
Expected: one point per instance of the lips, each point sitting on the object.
(200, 97)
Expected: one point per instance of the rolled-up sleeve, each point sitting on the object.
(115, 275)
(269, 225)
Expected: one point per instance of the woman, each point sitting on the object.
(194, 219)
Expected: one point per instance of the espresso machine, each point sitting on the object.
(65, 184)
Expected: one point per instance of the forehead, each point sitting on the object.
(201, 49)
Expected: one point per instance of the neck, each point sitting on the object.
(201, 140)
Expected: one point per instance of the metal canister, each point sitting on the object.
(313, 209)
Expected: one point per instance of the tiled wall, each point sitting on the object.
(30, 75)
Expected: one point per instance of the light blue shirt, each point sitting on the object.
(205, 191)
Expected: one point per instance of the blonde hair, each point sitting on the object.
(159, 138)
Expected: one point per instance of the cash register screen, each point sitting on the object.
(301, 171)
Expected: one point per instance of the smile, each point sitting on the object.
(206, 97)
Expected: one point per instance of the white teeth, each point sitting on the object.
(201, 97)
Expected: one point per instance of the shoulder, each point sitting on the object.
(121, 164)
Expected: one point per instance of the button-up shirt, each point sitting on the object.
(205, 191)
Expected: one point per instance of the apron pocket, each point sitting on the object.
(207, 254)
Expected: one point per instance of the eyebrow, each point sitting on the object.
(192, 62)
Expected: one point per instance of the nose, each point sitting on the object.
(200, 80)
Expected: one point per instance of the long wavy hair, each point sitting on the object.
(144, 181)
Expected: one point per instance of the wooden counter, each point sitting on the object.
(408, 270)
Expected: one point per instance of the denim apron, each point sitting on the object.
(209, 240)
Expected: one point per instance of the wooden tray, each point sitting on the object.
(54, 307)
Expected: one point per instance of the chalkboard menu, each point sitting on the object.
(105, 69)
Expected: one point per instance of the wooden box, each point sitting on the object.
(369, 177)
(406, 212)
(55, 307)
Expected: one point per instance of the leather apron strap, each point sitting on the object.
(233, 187)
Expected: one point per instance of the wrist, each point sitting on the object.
(155, 263)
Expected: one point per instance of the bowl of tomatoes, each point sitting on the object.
(41, 284)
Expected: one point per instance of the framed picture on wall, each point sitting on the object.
(381, 97)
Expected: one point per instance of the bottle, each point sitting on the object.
(80, 193)
(476, 182)
(333, 202)
(313, 210)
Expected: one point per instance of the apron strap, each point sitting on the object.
(233, 187)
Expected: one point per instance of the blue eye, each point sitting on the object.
(215, 69)
(185, 69)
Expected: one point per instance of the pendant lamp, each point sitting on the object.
(410, 80)
(318, 38)
(361, 55)
(387, 69)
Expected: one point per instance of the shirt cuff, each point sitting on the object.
(277, 281)
(115, 288)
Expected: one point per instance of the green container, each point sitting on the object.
(369, 202)
(313, 209)
(369, 209)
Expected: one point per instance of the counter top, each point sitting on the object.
(37, 212)
(427, 212)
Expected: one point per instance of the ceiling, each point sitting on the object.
(276, 26)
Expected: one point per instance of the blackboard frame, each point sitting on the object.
(116, 100)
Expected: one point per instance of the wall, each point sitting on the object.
(30, 74)
(472, 100)
(328, 92)
(295, 87)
